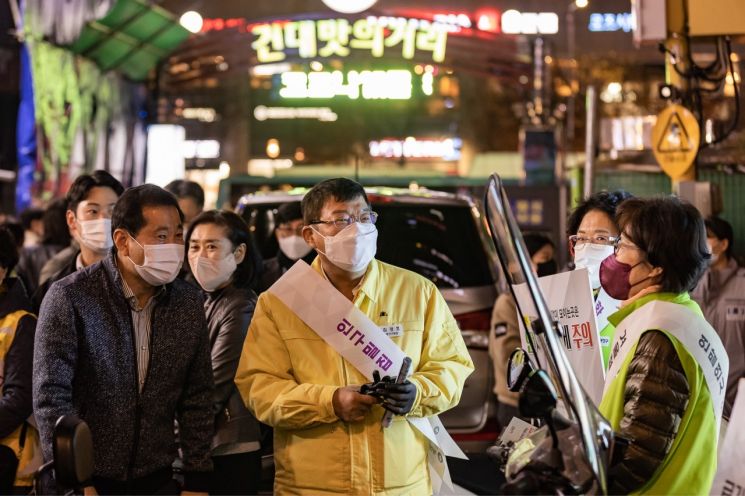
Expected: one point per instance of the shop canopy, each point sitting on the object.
(131, 38)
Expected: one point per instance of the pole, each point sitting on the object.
(590, 139)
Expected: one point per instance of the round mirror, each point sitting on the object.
(518, 368)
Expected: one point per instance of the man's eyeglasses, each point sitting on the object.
(343, 221)
(599, 239)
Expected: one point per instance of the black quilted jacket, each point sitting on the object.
(84, 363)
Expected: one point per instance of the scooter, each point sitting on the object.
(571, 452)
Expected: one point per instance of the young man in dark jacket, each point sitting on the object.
(124, 345)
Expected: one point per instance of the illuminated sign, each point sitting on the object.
(609, 22)
(201, 114)
(201, 149)
(445, 149)
(369, 85)
(338, 37)
(349, 6)
(323, 114)
(515, 22)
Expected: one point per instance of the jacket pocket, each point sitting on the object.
(317, 458)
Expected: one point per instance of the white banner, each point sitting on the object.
(363, 344)
(569, 298)
(605, 306)
(698, 337)
(730, 478)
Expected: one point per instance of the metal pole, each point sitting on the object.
(590, 139)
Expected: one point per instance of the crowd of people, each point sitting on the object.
(160, 326)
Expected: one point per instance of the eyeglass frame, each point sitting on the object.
(374, 216)
(612, 240)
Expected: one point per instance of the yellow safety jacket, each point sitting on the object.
(691, 463)
(25, 444)
(287, 376)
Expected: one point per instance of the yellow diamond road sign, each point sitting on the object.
(675, 138)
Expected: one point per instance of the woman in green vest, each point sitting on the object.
(658, 399)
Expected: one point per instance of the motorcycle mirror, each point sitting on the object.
(518, 369)
(538, 397)
(72, 446)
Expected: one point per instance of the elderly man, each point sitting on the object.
(327, 433)
(124, 346)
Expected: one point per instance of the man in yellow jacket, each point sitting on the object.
(327, 435)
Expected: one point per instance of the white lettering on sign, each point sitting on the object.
(609, 22)
(368, 85)
(516, 22)
(446, 149)
(323, 114)
(201, 149)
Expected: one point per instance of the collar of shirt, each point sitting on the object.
(79, 262)
(132, 299)
(368, 285)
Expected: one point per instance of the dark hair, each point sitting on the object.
(721, 229)
(237, 231)
(29, 215)
(82, 185)
(287, 212)
(16, 230)
(536, 241)
(8, 249)
(56, 231)
(605, 201)
(340, 189)
(673, 235)
(187, 189)
(127, 213)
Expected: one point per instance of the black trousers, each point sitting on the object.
(160, 482)
(236, 474)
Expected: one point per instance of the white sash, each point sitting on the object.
(698, 337)
(363, 344)
(730, 478)
(605, 306)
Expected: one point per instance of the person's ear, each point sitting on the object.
(70, 218)
(240, 253)
(120, 241)
(656, 274)
(308, 236)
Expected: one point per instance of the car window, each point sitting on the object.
(439, 242)
(442, 243)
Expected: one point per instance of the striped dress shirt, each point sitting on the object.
(142, 321)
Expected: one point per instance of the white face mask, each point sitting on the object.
(96, 235)
(162, 263)
(353, 247)
(294, 247)
(211, 274)
(589, 256)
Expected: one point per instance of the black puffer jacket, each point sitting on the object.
(655, 398)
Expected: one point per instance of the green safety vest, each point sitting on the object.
(691, 463)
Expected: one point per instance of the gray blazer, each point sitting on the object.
(84, 364)
(229, 312)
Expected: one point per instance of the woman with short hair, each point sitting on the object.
(657, 393)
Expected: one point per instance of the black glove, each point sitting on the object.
(399, 398)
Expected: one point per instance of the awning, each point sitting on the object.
(131, 38)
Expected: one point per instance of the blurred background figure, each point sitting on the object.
(56, 238)
(32, 220)
(505, 332)
(19, 450)
(721, 295)
(90, 202)
(221, 257)
(190, 196)
(292, 246)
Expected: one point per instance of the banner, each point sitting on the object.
(569, 298)
(730, 478)
(698, 337)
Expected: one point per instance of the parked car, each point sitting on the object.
(444, 238)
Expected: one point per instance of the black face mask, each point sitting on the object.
(547, 268)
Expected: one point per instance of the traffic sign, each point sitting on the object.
(675, 138)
